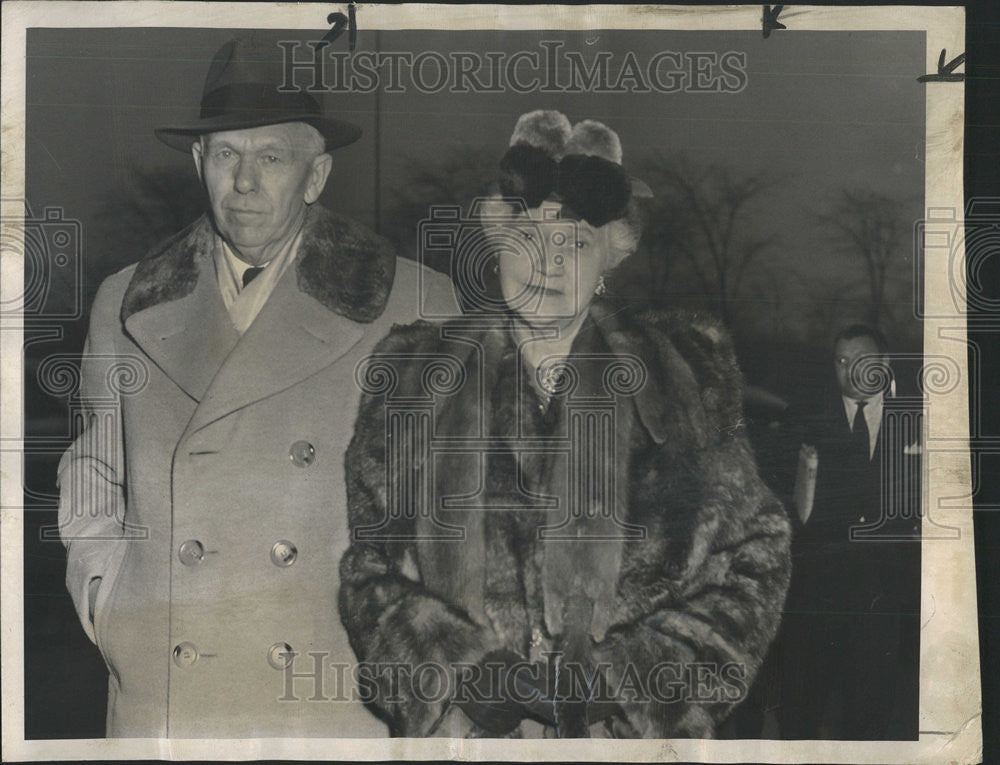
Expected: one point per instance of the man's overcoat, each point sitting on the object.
(207, 492)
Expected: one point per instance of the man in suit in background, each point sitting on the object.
(849, 649)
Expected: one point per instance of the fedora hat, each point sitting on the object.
(242, 91)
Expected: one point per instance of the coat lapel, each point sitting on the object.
(342, 278)
(292, 338)
(657, 412)
(188, 334)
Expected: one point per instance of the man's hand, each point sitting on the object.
(805, 481)
(92, 588)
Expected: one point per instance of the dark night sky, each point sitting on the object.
(823, 110)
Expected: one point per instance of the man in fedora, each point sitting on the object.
(203, 509)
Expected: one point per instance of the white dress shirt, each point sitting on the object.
(244, 303)
(873, 417)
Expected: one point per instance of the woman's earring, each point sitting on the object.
(601, 287)
(496, 267)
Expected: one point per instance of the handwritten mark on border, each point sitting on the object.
(770, 20)
(945, 72)
(340, 21)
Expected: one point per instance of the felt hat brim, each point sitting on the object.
(336, 133)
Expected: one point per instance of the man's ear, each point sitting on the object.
(196, 153)
(320, 171)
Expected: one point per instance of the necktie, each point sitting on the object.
(250, 274)
(859, 432)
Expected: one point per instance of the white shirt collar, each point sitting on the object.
(244, 303)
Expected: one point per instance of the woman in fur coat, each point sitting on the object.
(558, 528)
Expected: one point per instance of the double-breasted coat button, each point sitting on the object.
(279, 655)
(185, 654)
(302, 454)
(191, 552)
(283, 553)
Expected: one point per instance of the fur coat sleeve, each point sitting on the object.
(391, 618)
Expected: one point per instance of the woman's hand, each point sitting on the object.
(487, 700)
(507, 689)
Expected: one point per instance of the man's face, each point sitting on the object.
(845, 360)
(259, 181)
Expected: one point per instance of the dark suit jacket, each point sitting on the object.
(848, 655)
(856, 552)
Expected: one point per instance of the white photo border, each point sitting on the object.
(950, 717)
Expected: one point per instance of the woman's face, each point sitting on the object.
(549, 268)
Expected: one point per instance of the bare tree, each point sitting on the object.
(703, 216)
(829, 306)
(769, 295)
(869, 228)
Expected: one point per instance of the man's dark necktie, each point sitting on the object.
(250, 274)
(859, 433)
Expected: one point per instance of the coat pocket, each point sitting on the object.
(104, 602)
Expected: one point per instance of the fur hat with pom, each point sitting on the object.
(595, 139)
(579, 165)
(544, 129)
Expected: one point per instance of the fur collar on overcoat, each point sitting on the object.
(340, 263)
